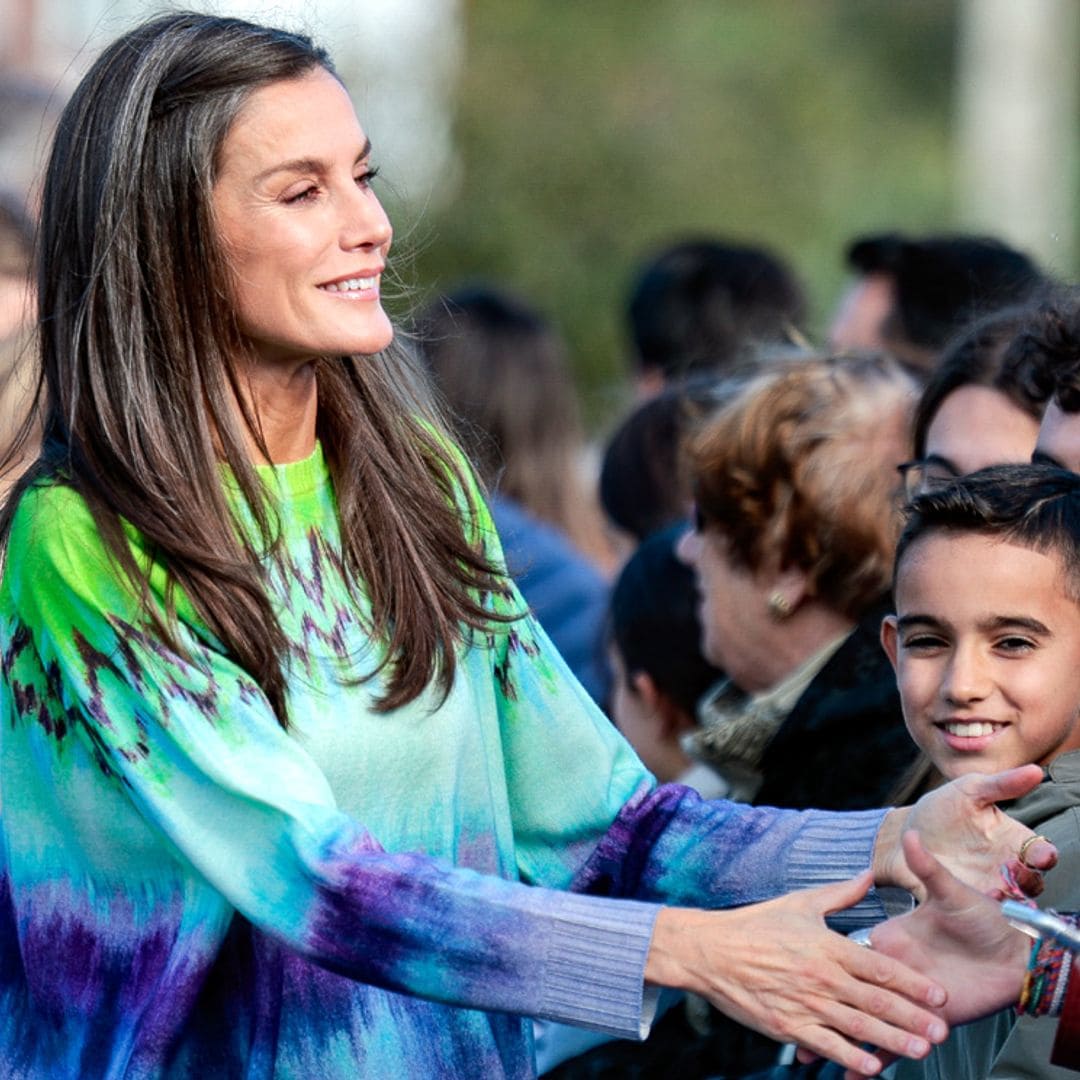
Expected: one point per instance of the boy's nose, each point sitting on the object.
(966, 678)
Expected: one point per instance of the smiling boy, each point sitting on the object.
(986, 646)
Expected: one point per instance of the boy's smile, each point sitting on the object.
(986, 647)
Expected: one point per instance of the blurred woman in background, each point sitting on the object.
(795, 485)
(980, 406)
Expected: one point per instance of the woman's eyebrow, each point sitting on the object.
(308, 164)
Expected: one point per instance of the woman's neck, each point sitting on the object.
(284, 402)
(798, 638)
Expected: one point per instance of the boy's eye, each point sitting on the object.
(923, 643)
(1014, 644)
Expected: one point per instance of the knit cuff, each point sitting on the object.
(833, 848)
(594, 974)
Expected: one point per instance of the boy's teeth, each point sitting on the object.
(971, 730)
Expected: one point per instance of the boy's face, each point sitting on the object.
(986, 648)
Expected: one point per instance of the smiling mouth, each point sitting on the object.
(351, 285)
(969, 729)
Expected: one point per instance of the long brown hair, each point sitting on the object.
(143, 366)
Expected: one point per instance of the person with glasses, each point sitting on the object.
(979, 407)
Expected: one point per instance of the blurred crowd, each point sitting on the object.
(719, 579)
(717, 570)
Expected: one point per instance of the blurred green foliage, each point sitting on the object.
(592, 133)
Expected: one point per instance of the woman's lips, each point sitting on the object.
(354, 288)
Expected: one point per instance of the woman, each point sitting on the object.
(251, 599)
(502, 371)
(794, 484)
(981, 405)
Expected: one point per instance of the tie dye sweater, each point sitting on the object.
(188, 890)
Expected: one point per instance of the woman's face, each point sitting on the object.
(977, 426)
(736, 631)
(304, 233)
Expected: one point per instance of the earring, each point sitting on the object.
(779, 606)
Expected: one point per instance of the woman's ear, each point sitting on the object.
(788, 589)
(889, 638)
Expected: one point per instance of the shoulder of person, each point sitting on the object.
(56, 554)
(52, 529)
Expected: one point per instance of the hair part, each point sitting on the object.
(1033, 506)
(144, 365)
(799, 471)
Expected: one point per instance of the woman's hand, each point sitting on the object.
(960, 824)
(777, 968)
(958, 938)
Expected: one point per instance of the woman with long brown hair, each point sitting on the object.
(291, 784)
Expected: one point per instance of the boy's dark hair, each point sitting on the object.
(704, 304)
(1049, 348)
(654, 621)
(942, 281)
(1033, 506)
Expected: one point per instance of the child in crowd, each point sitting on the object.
(986, 646)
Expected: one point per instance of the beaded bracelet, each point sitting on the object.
(1047, 977)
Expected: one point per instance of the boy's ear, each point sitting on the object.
(671, 719)
(889, 638)
(646, 689)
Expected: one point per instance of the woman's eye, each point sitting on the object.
(306, 195)
(365, 178)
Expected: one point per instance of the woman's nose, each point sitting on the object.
(365, 223)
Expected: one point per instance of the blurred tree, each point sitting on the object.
(589, 134)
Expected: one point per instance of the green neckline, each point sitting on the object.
(294, 481)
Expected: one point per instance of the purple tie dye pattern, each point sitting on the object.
(186, 890)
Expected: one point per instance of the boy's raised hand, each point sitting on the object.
(957, 937)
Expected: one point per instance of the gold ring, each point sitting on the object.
(1024, 847)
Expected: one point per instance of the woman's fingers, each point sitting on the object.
(876, 974)
(961, 823)
(1003, 786)
(841, 894)
(778, 968)
(821, 1042)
